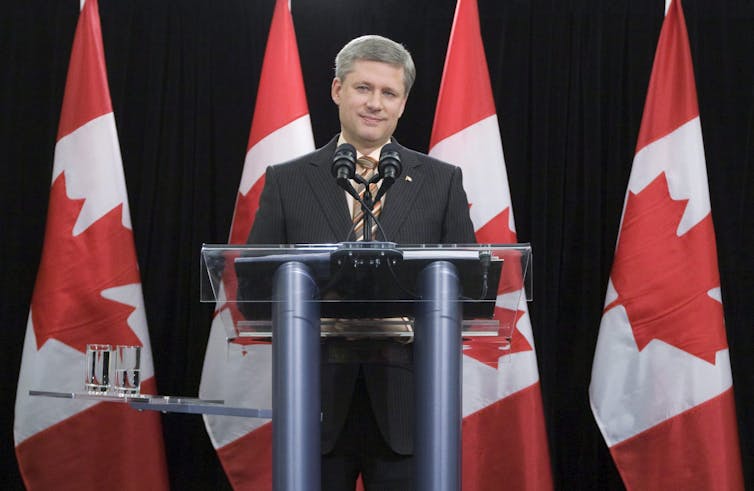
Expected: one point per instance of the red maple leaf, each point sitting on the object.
(67, 303)
(497, 230)
(488, 349)
(663, 279)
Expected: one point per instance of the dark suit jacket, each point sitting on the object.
(301, 203)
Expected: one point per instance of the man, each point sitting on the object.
(367, 402)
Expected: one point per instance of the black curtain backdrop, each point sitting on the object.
(569, 79)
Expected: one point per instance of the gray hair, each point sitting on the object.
(375, 48)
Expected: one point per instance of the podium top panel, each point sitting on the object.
(367, 272)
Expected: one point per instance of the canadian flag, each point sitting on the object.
(88, 290)
(241, 374)
(661, 388)
(504, 438)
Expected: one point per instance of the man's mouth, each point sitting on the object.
(371, 120)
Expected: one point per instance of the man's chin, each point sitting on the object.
(373, 138)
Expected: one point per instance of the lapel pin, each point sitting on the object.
(408, 178)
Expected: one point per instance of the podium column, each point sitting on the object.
(296, 404)
(437, 365)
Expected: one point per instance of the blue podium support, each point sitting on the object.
(295, 380)
(437, 365)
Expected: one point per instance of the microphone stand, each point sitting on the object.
(366, 209)
(368, 203)
(387, 181)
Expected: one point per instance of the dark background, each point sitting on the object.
(569, 79)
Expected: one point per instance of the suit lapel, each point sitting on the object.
(401, 196)
(331, 199)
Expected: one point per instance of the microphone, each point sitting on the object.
(344, 167)
(344, 162)
(389, 168)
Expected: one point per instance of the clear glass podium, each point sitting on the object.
(352, 262)
(296, 296)
(430, 295)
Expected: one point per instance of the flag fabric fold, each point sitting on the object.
(240, 374)
(661, 388)
(88, 290)
(504, 436)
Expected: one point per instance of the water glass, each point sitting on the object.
(127, 370)
(97, 368)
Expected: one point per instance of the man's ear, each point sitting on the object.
(335, 89)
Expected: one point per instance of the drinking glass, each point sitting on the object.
(127, 369)
(97, 368)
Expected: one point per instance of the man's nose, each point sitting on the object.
(374, 101)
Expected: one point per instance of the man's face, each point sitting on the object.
(370, 100)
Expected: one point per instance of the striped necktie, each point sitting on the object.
(366, 167)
